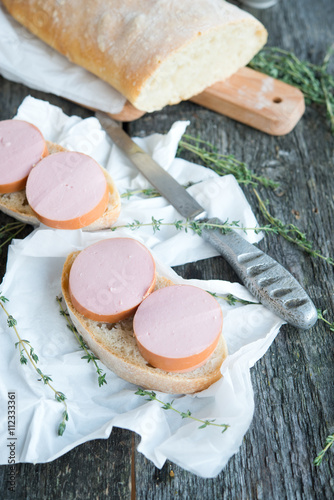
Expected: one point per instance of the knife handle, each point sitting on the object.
(264, 277)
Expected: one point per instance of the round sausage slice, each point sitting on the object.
(67, 190)
(177, 328)
(108, 280)
(22, 145)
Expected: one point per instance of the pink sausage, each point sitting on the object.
(21, 146)
(109, 279)
(67, 190)
(178, 327)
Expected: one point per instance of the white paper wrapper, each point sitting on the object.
(32, 282)
(20, 51)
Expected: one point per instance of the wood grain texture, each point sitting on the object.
(293, 381)
(256, 100)
(248, 97)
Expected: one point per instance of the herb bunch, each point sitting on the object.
(313, 80)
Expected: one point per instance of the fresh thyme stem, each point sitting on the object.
(231, 299)
(290, 232)
(33, 358)
(195, 226)
(329, 442)
(151, 396)
(223, 164)
(321, 317)
(89, 356)
(150, 192)
(10, 227)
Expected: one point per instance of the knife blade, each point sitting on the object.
(265, 278)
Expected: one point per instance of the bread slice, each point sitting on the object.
(153, 52)
(16, 204)
(115, 345)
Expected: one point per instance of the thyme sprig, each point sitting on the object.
(328, 443)
(101, 377)
(195, 226)
(27, 353)
(290, 232)
(151, 396)
(231, 299)
(321, 315)
(149, 193)
(223, 164)
(10, 230)
(313, 80)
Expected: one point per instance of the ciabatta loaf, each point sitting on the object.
(155, 52)
(16, 204)
(115, 345)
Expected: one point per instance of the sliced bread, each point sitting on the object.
(115, 345)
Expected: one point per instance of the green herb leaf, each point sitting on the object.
(329, 442)
(27, 353)
(151, 396)
(11, 321)
(61, 428)
(89, 356)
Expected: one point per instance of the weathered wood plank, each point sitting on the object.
(293, 382)
(97, 469)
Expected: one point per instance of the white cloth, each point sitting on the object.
(32, 282)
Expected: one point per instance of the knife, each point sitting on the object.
(264, 277)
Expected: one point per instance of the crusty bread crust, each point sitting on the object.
(154, 53)
(16, 204)
(115, 345)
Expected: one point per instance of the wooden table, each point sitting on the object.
(293, 382)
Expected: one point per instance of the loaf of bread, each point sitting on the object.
(116, 346)
(16, 204)
(155, 52)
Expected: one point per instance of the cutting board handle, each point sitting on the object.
(249, 97)
(257, 100)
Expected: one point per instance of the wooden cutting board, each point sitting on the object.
(249, 97)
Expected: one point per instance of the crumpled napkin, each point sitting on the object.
(20, 51)
(32, 282)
